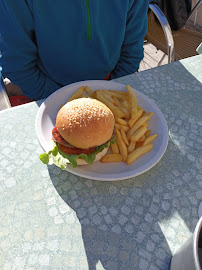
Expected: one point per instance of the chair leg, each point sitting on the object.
(171, 53)
(162, 58)
(195, 18)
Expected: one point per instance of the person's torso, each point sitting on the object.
(79, 40)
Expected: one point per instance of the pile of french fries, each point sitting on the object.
(133, 138)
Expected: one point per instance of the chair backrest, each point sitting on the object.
(165, 28)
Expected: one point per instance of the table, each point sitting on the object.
(51, 219)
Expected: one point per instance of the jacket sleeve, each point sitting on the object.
(132, 47)
(18, 59)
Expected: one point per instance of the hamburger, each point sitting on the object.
(82, 134)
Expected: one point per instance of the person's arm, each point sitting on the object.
(19, 51)
(132, 47)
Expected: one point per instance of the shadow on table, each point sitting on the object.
(119, 220)
(124, 223)
(115, 229)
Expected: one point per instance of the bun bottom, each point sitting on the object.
(99, 155)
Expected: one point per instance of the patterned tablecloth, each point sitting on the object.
(52, 219)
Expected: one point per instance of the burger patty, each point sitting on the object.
(67, 148)
(75, 151)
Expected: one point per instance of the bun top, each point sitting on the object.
(85, 123)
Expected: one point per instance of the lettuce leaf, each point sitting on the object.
(61, 159)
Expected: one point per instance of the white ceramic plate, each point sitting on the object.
(46, 117)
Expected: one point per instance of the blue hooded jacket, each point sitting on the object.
(46, 44)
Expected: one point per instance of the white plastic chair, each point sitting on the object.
(4, 99)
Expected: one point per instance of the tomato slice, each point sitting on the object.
(75, 151)
(56, 135)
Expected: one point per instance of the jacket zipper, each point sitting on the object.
(88, 19)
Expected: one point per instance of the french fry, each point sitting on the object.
(138, 144)
(138, 152)
(125, 104)
(140, 108)
(105, 94)
(114, 147)
(87, 96)
(147, 133)
(121, 145)
(131, 122)
(94, 94)
(129, 90)
(124, 137)
(121, 121)
(111, 158)
(116, 111)
(133, 101)
(119, 126)
(141, 139)
(138, 124)
(118, 103)
(129, 105)
(77, 94)
(133, 107)
(145, 124)
(138, 134)
(131, 147)
(118, 93)
(88, 90)
(150, 139)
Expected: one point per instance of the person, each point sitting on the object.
(49, 44)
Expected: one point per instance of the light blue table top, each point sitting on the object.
(51, 219)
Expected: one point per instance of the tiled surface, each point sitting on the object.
(51, 219)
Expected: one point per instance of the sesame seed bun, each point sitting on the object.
(85, 123)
